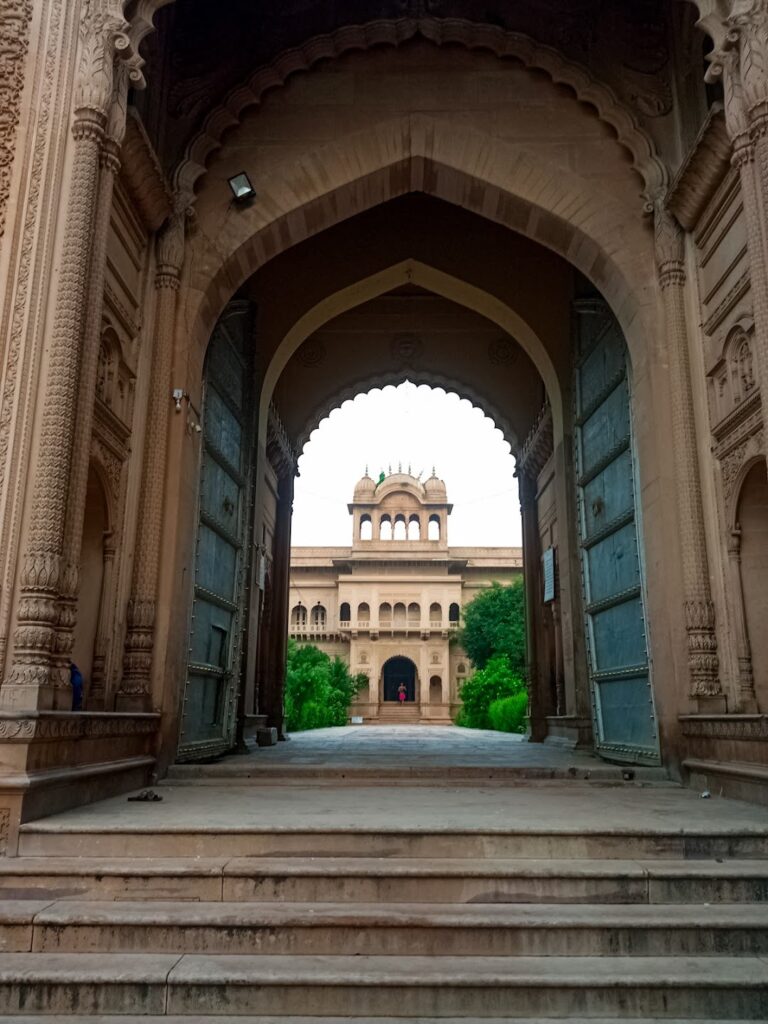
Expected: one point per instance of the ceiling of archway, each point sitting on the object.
(202, 49)
(410, 333)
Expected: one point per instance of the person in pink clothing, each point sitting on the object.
(401, 693)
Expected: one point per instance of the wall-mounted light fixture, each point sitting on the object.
(242, 189)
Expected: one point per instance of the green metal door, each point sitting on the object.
(612, 568)
(218, 610)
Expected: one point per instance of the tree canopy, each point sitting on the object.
(494, 623)
(318, 689)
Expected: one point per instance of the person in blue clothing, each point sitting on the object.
(76, 681)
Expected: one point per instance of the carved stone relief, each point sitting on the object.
(733, 376)
(14, 44)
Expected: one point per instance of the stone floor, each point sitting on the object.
(203, 799)
(432, 745)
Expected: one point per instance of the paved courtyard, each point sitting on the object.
(427, 745)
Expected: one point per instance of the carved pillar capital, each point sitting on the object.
(170, 245)
(103, 39)
(669, 246)
(725, 67)
(748, 33)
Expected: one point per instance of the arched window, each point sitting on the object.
(318, 616)
(433, 528)
(363, 613)
(398, 614)
(435, 690)
(414, 528)
(385, 614)
(435, 613)
(461, 668)
(299, 615)
(366, 528)
(400, 531)
(454, 613)
(345, 613)
(414, 614)
(385, 528)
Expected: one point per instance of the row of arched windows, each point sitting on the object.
(388, 613)
(399, 528)
(317, 616)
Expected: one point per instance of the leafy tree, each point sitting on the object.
(494, 623)
(486, 686)
(318, 690)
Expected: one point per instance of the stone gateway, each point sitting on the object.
(221, 220)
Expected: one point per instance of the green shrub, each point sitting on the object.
(482, 688)
(507, 714)
(318, 690)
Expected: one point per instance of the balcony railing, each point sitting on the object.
(299, 629)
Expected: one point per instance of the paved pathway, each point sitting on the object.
(427, 745)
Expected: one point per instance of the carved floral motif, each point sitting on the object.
(14, 44)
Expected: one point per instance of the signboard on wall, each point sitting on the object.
(548, 574)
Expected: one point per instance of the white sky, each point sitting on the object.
(420, 426)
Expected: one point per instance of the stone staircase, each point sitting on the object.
(391, 713)
(352, 924)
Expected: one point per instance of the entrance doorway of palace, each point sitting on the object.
(397, 672)
(539, 351)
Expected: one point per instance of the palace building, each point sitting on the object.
(390, 605)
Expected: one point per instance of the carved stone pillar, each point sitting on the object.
(747, 697)
(89, 361)
(537, 707)
(95, 698)
(703, 666)
(135, 692)
(39, 673)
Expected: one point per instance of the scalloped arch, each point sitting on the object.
(441, 32)
(412, 271)
(363, 385)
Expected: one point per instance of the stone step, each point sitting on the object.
(379, 986)
(418, 929)
(390, 880)
(197, 1019)
(49, 838)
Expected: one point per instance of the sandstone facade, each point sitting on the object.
(390, 604)
(496, 192)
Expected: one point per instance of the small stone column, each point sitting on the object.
(527, 491)
(747, 697)
(135, 692)
(703, 666)
(95, 698)
(39, 677)
(559, 676)
(271, 703)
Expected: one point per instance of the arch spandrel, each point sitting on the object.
(439, 283)
(500, 182)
